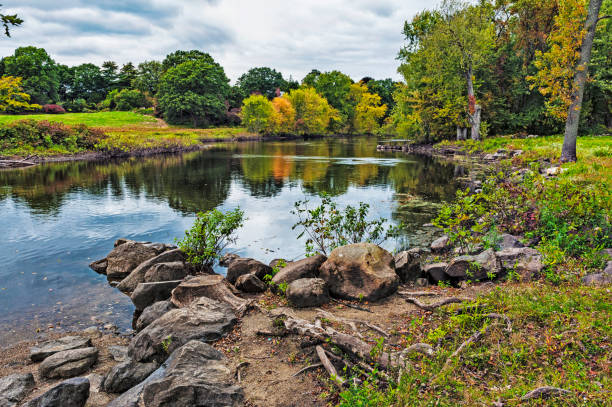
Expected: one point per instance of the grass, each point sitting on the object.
(99, 119)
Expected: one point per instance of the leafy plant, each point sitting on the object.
(211, 232)
(328, 227)
(166, 343)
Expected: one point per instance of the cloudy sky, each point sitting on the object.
(358, 37)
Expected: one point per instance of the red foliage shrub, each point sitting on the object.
(53, 109)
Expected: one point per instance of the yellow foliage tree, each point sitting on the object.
(368, 110)
(12, 96)
(284, 115)
(312, 112)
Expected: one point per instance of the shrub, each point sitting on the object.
(53, 109)
(129, 99)
(328, 227)
(284, 115)
(49, 134)
(76, 106)
(258, 114)
(211, 232)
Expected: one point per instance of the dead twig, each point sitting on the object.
(418, 293)
(307, 368)
(241, 365)
(333, 374)
(503, 317)
(346, 304)
(352, 322)
(433, 306)
(545, 391)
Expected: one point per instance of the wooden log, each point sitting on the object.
(333, 374)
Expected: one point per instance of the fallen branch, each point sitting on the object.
(241, 365)
(433, 306)
(352, 322)
(333, 374)
(346, 304)
(423, 348)
(279, 333)
(545, 391)
(503, 317)
(307, 368)
(418, 293)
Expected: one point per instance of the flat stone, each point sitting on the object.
(305, 268)
(597, 279)
(152, 312)
(227, 259)
(118, 353)
(137, 276)
(440, 245)
(69, 393)
(146, 294)
(126, 375)
(131, 398)
(408, 265)
(204, 320)
(68, 363)
(48, 348)
(249, 283)
(99, 266)
(436, 271)
(242, 266)
(509, 241)
(15, 388)
(166, 272)
(308, 292)
(479, 267)
(126, 257)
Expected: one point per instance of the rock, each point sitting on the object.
(597, 279)
(137, 276)
(227, 259)
(198, 375)
(552, 171)
(48, 348)
(278, 263)
(99, 266)
(489, 157)
(69, 393)
(131, 397)
(204, 320)
(242, 266)
(92, 332)
(97, 397)
(408, 265)
(152, 312)
(524, 261)
(305, 268)
(126, 257)
(126, 375)
(500, 155)
(118, 353)
(508, 242)
(479, 267)
(146, 294)
(436, 271)
(121, 241)
(166, 272)
(421, 282)
(15, 388)
(68, 363)
(308, 292)
(360, 271)
(159, 247)
(249, 283)
(211, 286)
(440, 245)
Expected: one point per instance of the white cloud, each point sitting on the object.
(358, 37)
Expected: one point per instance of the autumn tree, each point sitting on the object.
(258, 114)
(368, 109)
(284, 115)
(312, 112)
(12, 97)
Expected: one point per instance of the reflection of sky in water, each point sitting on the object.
(50, 237)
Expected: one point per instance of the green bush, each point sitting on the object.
(258, 114)
(48, 134)
(211, 232)
(125, 100)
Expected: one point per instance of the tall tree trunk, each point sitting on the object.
(568, 152)
(474, 109)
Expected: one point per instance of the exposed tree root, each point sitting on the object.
(333, 374)
(545, 391)
(352, 322)
(307, 368)
(433, 306)
(418, 293)
(504, 318)
(346, 304)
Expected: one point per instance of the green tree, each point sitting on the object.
(88, 83)
(310, 80)
(127, 75)
(38, 70)
(312, 112)
(110, 71)
(195, 92)
(178, 57)
(263, 80)
(147, 79)
(368, 110)
(383, 88)
(258, 114)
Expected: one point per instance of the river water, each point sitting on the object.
(57, 218)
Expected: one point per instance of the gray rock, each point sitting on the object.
(68, 363)
(597, 279)
(126, 375)
(15, 388)
(198, 375)
(308, 292)
(92, 332)
(48, 348)
(97, 397)
(152, 312)
(227, 259)
(99, 266)
(137, 276)
(166, 272)
(126, 257)
(249, 283)
(278, 262)
(408, 265)
(118, 353)
(524, 261)
(489, 157)
(421, 282)
(360, 271)
(132, 397)
(436, 271)
(508, 242)
(69, 393)
(479, 267)
(305, 268)
(204, 320)
(146, 294)
(242, 266)
(440, 245)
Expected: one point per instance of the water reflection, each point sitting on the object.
(55, 218)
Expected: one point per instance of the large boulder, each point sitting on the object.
(204, 320)
(15, 388)
(212, 286)
(308, 292)
(166, 272)
(408, 265)
(197, 375)
(152, 312)
(48, 348)
(436, 271)
(482, 266)
(242, 266)
(126, 257)
(509, 241)
(69, 393)
(305, 268)
(440, 245)
(249, 283)
(146, 294)
(227, 259)
(524, 261)
(360, 271)
(137, 276)
(68, 363)
(126, 375)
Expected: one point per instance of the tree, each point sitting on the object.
(110, 73)
(127, 74)
(258, 114)
(178, 57)
(312, 112)
(284, 115)
(383, 88)
(88, 83)
(263, 80)
(38, 70)
(10, 20)
(147, 79)
(194, 91)
(368, 110)
(310, 80)
(12, 98)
